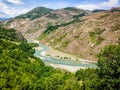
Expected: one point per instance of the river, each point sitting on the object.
(69, 65)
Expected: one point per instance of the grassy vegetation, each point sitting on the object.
(77, 36)
(33, 30)
(80, 15)
(65, 44)
(72, 9)
(93, 35)
(41, 37)
(99, 40)
(50, 29)
(103, 16)
(115, 27)
(52, 15)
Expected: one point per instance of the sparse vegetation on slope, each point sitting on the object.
(95, 35)
(87, 37)
(33, 23)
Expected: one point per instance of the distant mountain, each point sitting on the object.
(97, 10)
(72, 9)
(111, 10)
(80, 11)
(36, 21)
(4, 19)
(35, 13)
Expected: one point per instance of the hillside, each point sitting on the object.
(20, 70)
(71, 30)
(86, 36)
(83, 36)
(36, 21)
(35, 13)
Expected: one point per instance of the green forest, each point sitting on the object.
(21, 70)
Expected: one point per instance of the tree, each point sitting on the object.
(109, 68)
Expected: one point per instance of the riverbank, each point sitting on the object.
(65, 56)
(67, 62)
(61, 55)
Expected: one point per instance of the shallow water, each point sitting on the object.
(48, 59)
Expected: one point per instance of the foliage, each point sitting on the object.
(80, 15)
(6, 34)
(107, 76)
(88, 78)
(20, 70)
(72, 9)
(109, 63)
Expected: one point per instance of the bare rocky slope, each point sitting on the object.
(86, 36)
(36, 21)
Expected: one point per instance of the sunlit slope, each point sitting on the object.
(86, 36)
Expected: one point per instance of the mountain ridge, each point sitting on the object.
(72, 30)
(35, 13)
(34, 28)
(87, 37)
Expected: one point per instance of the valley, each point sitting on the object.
(60, 49)
(62, 63)
(81, 33)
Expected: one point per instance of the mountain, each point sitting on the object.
(36, 21)
(21, 70)
(4, 19)
(72, 30)
(111, 10)
(86, 36)
(97, 10)
(35, 13)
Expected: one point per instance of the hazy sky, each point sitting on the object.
(11, 8)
